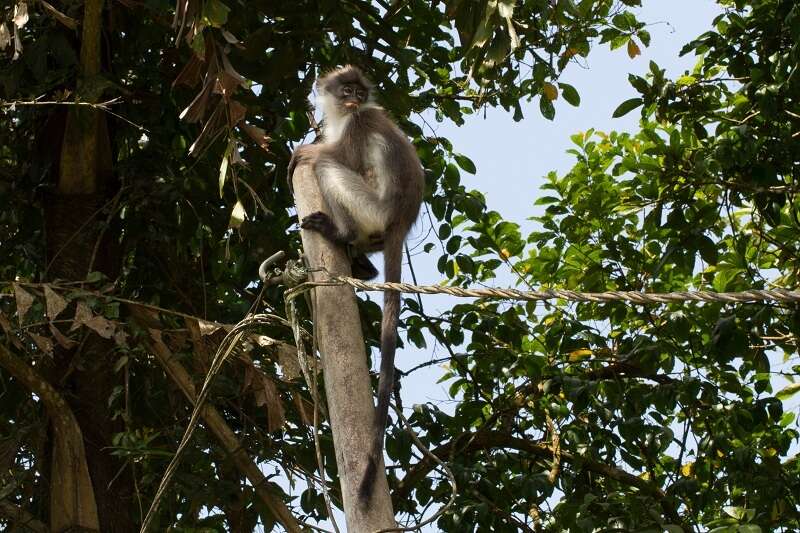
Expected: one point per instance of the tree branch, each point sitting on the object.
(72, 495)
(21, 518)
(224, 434)
(486, 440)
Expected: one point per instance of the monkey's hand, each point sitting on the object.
(302, 154)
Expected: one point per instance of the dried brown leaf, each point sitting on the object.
(24, 302)
(247, 381)
(287, 359)
(225, 84)
(82, 315)
(44, 344)
(633, 49)
(55, 303)
(207, 328)
(257, 134)
(304, 408)
(5, 324)
(267, 395)
(102, 326)
(210, 129)
(196, 110)
(230, 71)
(5, 36)
(236, 113)
(121, 338)
(191, 74)
(63, 341)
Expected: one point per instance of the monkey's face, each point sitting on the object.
(351, 96)
(344, 91)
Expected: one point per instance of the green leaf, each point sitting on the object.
(735, 512)
(788, 391)
(570, 94)
(215, 13)
(626, 107)
(545, 200)
(465, 163)
(547, 109)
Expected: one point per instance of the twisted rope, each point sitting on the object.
(749, 296)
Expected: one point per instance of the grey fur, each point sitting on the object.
(373, 183)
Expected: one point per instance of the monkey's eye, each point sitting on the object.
(361, 94)
(347, 91)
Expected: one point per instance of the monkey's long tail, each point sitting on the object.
(393, 261)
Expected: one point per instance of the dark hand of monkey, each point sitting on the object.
(322, 224)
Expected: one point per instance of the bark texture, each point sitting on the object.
(344, 362)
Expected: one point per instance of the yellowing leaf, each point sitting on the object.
(237, 215)
(569, 52)
(20, 14)
(579, 355)
(633, 49)
(223, 172)
(550, 91)
(687, 470)
(505, 253)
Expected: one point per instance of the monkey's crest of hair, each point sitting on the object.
(348, 74)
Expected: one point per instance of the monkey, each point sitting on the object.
(373, 182)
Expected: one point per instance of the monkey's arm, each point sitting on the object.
(301, 155)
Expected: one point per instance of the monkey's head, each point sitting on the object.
(344, 90)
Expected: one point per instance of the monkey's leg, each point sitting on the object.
(356, 209)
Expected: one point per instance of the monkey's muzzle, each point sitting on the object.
(351, 105)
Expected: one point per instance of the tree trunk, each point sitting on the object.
(75, 217)
(344, 362)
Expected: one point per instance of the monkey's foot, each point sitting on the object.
(362, 268)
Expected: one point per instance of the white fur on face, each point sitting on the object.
(335, 121)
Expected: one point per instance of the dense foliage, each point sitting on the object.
(576, 417)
